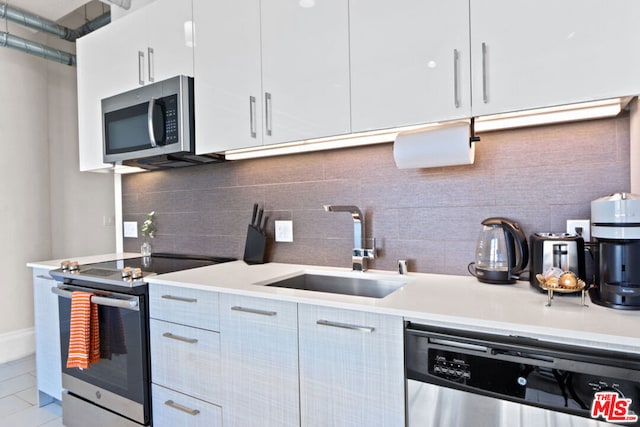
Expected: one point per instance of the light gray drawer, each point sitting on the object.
(173, 409)
(185, 306)
(186, 359)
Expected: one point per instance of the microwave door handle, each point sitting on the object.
(150, 111)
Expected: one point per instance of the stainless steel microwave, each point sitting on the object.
(152, 126)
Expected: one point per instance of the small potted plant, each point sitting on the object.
(148, 231)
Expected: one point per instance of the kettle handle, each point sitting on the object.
(521, 244)
(522, 248)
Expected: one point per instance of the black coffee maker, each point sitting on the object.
(615, 223)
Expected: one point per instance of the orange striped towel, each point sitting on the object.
(84, 338)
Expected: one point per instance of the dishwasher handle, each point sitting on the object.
(127, 304)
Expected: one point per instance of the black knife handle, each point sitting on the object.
(259, 220)
(253, 215)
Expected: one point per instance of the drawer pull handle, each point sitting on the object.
(174, 298)
(182, 408)
(41, 276)
(367, 329)
(179, 338)
(254, 311)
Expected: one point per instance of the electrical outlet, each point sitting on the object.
(130, 229)
(284, 231)
(574, 226)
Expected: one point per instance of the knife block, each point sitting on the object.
(254, 248)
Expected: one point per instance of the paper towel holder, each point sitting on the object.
(444, 144)
(472, 131)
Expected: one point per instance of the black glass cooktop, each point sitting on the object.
(159, 263)
(108, 275)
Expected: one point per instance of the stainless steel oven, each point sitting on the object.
(120, 380)
(458, 379)
(116, 390)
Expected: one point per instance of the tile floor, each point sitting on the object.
(19, 397)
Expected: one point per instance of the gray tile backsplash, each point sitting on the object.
(538, 177)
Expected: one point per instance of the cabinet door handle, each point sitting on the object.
(179, 338)
(182, 299)
(182, 408)
(456, 77)
(252, 116)
(141, 68)
(367, 329)
(254, 311)
(41, 276)
(485, 78)
(151, 65)
(267, 112)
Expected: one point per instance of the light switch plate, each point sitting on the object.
(585, 224)
(130, 229)
(284, 231)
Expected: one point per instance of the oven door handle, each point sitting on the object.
(127, 304)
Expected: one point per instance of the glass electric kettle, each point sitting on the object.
(502, 252)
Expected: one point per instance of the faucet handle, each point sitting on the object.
(370, 252)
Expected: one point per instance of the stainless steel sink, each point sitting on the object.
(346, 285)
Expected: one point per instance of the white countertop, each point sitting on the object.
(443, 300)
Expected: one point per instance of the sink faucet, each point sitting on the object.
(359, 255)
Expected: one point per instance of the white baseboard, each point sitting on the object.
(17, 344)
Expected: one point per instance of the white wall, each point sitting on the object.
(47, 208)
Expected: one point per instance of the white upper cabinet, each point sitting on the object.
(533, 54)
(269, 72)
(228, 99)
(102, 72)
(305, 69)
(169, 48)
(410, 62)
(151, 44)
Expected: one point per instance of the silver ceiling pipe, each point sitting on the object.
(37, 49)
(39, 23)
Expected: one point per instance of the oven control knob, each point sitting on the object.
(136, 274)
(126, 273)
(74, 267)
(64, 265)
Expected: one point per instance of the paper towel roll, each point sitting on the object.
(446, 145)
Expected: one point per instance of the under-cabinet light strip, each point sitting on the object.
(565, 113)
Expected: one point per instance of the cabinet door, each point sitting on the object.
(173, 409)
(186, 306)
(305, 69)
(228, 89)
(107, 65)
(186, 359)
(259, 345)
(47, 328)
(410, 62)
(351, 368)
(533, 54)
(169, 39)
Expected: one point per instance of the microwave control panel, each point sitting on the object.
(170, 104)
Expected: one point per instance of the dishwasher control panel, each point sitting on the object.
(575, 380)
(451, 368)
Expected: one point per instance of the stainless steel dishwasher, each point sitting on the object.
(459, 379)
